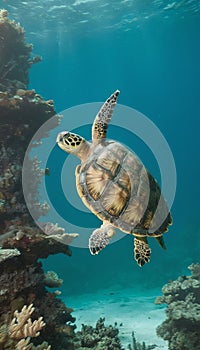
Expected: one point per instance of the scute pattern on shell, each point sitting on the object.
(115, 186)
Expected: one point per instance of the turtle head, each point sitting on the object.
(71, 143)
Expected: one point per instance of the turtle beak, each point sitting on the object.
(60, 136)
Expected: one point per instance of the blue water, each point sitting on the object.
(151, 52)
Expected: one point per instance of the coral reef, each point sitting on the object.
(24, 344)
(22, 326)
(23, 281)
(21, 329)
(22, 243)
(15, 54)
(52, 280)
(182, 296)
(8, 253)
(100, 338)
(22, 112)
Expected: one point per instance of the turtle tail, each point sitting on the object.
(160, 241)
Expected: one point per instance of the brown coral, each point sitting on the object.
(22, 112)
(100, 337)
(15, 54)
(181, 328)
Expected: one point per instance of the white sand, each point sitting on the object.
(135, 313)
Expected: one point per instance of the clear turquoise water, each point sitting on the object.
(151, 52)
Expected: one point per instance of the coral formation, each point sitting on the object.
(52, 280)
(181, 328)
(100, 338)
(8, 253)
(24, 344)
(22, 243)
(22, 113)
(23, 281)
(15, 54)
(21, 329)
(22, 326)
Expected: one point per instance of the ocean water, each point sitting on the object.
(150, 50)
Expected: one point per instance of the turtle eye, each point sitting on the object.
(66, 135)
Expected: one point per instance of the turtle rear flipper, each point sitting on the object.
(100, 238)
(142, 251)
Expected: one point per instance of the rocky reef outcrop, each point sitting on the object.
(22, 242)
(15, 55)
(100, 337)
(22, 112)
(182, 296)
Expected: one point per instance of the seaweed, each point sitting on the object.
(139, 346)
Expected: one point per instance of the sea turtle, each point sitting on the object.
(114, 184)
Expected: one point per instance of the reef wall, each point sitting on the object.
(22, 243)
(182, 327)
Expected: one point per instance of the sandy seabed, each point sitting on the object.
(131, 311)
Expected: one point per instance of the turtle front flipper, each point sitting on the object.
(100, 238)
(103, 118)
(142, 251)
